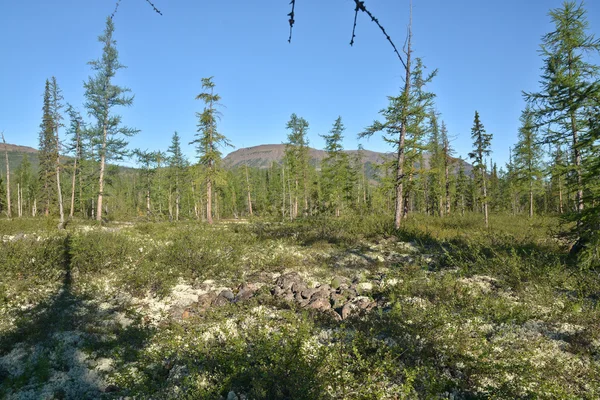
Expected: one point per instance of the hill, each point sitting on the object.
(15, 156)
(264, 155)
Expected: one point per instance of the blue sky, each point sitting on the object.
(486, 53)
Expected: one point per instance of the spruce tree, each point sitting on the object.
(47, 154)
(177, 165)
(208, 140)
(481, 148)
(528, 156)
(102, 96)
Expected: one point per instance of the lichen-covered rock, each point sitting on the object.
(320, 304)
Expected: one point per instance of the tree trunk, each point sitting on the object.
(61, 210)
(530, 199)
(8, 206)
(560, 196)
(400, 156)
(19, 210)
(248, 189)
(485, 202)
(209, 201)
(101, 180)
(72, 210)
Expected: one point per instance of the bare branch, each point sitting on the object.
(291, 20)
(360, 5)
(154, 7)
(116, 8)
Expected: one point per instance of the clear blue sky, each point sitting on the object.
(486, 53)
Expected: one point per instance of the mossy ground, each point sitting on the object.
(462, 312)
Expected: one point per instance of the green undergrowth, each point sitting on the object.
(467, 313)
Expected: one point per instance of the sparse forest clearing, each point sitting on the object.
(296, 268)
(322, 308)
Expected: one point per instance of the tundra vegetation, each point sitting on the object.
(417, 278)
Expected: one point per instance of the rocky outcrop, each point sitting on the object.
(341, 298)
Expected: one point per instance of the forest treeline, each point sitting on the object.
(554, 167)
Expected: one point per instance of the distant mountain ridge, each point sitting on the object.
(261, 156)
(264, 155)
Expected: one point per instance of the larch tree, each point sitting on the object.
(102, 96)
(404, 128)
(481, 148)
(75, 148)
(528, 156)
(436, 172)
(55, 107)
(209, 140)
(8, 205)
(147, 161)
(447, 161)
(335, 168)
(296, 162)
(568, 83)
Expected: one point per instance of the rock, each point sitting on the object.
(245, 292)
(298, 287)
(348, 310)
(228, 294)
(308, 292)
(288, 296)
(338, 300)
(286, 281)
(362, 302)
(320, 294)
(205, 301)
(321, 304)
(324, 287)
(337, 281)
(364, 287)
(232, 396)
(333, 314)
(111, 389)
(220, 301)
(349, 293)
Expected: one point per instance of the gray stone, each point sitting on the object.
(308, 292)
(320, 294)
(232, 396)
(228, 294)
(220, 301)
(348, 310)
(298, 287)
(286, 281)
(319, 304)
(338, 300)
(337, 281)
(204, 301)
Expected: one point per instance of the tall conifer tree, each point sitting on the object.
(208, 140)
(102, 96)
(481, 148)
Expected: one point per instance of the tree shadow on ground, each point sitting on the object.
(48, 353)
